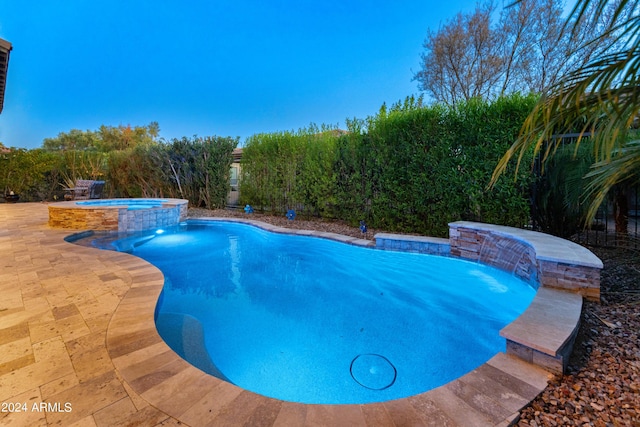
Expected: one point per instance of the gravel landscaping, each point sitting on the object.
(602, 386)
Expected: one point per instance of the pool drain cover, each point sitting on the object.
(373, 371)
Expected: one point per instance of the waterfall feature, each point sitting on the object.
(509, 255)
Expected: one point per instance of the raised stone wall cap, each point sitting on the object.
(547, 247)
(549, 322)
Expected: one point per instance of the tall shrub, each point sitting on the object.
(416, 169)
(559, 209)
(485, 130)
(353, 171)
(33, 174)
(138, 172)
(213, 164)
(316, 178)
(286, 170)
(198, 169)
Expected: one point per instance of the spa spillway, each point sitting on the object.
(118, 214)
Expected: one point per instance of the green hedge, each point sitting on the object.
(412, 169)
(32, 174)
(195, 168)
(287, 170)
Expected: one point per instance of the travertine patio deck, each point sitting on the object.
(78, 347)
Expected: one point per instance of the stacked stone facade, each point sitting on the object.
(68, 215)
(573, 278)
(510, 252)
(495, 250)
(407, 243)
(83, 219)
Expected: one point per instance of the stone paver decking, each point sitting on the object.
(78, 346)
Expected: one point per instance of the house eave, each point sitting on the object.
(5, 49)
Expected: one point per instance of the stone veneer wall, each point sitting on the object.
(68, 215)
(512, 254)
(83, 218)
(498, 251)
(408, 243)
(144, 219)
(574, 278)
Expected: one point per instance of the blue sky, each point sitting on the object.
(232, 68)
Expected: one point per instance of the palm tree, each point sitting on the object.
(602, 97)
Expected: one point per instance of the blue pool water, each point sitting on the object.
(316, 321)
(132, 204)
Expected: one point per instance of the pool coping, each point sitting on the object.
(93, 203)
(491, 394)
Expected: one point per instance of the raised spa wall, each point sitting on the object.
(69, 215)
(563, 272)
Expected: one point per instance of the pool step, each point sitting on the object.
(545, 332)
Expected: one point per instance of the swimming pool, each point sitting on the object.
(131, 204)
(316, 321)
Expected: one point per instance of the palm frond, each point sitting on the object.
(623, 167)
(600, 98)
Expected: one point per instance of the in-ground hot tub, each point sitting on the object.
(118, 214)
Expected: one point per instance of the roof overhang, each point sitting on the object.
(5, 49)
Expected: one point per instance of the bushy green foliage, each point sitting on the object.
(286, 170)
(33, 174)
(200, 169)
(105, 139)
(410, 168)
(416, 169)
(80, 164)
(559, 208)
(137, 172)
(195, 169)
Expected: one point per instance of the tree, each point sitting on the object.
(123, 137)
(105, 139)
(526, 50)
(75, 139)
(601, 97)
(533, 50)
(461, 59)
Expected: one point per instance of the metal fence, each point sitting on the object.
(614, 228)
